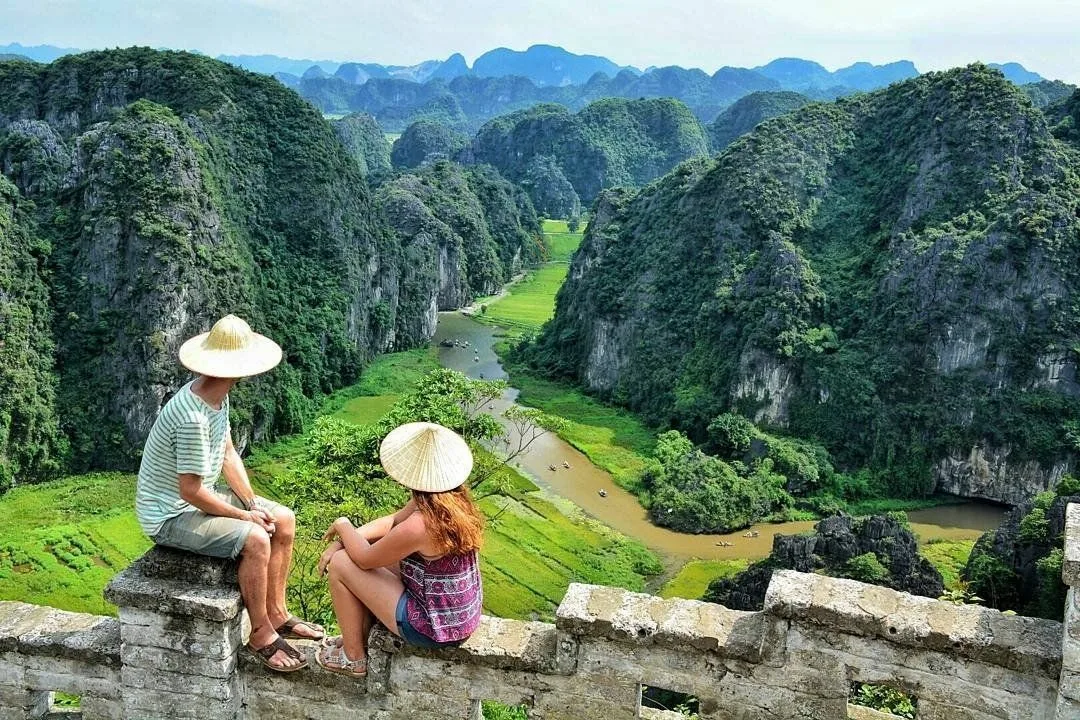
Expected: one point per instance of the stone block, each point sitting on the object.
(497, 643)
(177, 662)
(131, 589)
(106, 686)
(11, 670)
(165, 563)
(1024, 644)
(154, 704)
(1070, 565)
(189, 635)
(94, 708)
(204, 688)
(1067, 709)
(314, 684)
(259, 706)
(597, 611)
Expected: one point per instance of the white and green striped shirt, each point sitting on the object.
(188, 437)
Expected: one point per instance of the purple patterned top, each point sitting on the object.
(444, 597)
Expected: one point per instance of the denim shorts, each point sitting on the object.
(410, 634)
(212, 535)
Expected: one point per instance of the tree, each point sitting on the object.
(573, 223)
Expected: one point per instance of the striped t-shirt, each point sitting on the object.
(188, 437)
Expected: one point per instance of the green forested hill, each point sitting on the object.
(426, 141)
(745, 114)
(168, 189)
(895, 275)
(609, 143)
(365, 141)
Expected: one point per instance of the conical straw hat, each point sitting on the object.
(230, 350)
(427, 457)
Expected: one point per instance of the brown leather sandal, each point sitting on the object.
(287, 629)
(266, 652)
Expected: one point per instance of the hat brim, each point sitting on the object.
(426, 457)
(261, 354)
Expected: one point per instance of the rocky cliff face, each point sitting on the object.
(840, 546)
(174, 189)
(894, 275)
(365, 141)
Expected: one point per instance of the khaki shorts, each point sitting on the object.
(213, 535)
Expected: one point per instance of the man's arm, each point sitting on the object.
(236, 476)
(193, 491)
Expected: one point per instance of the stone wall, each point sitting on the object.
(176, 652)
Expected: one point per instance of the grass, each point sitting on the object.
(694, 578)
(949, 557)
(61, 542)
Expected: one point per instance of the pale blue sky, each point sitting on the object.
(935, 34)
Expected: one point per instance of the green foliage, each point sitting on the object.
(493, 710)
(949, 558)
(612, 142)
(730, 434)
(866, 568)
(693, 492)
(989, 577)
(32, 446)
(424, 142)
(205, 190)
(1050, 599)
(365, 142)
(749, 111)
(693, 579)
(883, 698)
(1068, 485)
(817, 272)
(1034, 527)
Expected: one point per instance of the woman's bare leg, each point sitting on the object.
(359, 594)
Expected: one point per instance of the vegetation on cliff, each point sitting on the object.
(169, 189)
(610, 143)
(892, 276)
(747, 112)
(365, 141)
(31, 444)
(426, 141)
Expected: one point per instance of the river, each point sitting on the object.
(582, 481)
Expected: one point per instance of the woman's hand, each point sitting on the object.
(328, 554)
(337, 528)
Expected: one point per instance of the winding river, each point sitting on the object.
(582, 481)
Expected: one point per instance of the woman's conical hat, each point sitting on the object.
(230, 350)
(426, 456)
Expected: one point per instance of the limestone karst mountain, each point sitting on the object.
(895, 275)
(159, 191)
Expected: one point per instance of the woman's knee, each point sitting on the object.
(339, 562)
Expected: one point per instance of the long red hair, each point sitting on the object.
(453, 521)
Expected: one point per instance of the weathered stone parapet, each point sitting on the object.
(1068, 700)
(43, 650)
(175, 653)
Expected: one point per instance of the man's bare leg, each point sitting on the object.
(281, 550)
(254, 566)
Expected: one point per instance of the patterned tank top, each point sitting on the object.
(444, 597)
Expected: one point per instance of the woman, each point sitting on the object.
(416, 571)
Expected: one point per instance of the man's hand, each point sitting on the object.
(263, 519)
(337, 528)
(328, 554)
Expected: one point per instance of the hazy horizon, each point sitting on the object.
(701, 34)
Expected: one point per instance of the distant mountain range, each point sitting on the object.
(504, 80)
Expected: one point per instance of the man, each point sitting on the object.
(177, 502)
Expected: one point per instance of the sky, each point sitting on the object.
(935, 34)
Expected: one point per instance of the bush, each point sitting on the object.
(1035, 528)
(866, 568)
(730, 434)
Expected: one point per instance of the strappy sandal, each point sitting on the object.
(341, 664)
(287, 629)
(266, 652)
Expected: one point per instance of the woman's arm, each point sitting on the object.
(379, 527)
(404, 539)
